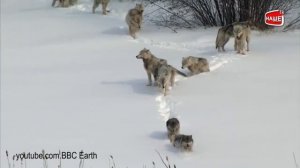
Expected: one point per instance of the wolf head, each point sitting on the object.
(173, 124)
(144, 54)
(186, 61)
(238, 31)
(140, 8)
(187, 142)
(173, 127)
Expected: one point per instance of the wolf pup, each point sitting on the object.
(151, 64)
(104, 4)
(241, 36)
(173, 127)
(195, 65)
(181, 141)
(134, 19)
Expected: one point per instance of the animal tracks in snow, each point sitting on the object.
(166, 107)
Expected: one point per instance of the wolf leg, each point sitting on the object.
(104, 5)
(149, 79)
(95, 5)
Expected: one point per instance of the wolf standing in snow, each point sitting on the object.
(195, 65)
(104, 4)
(64, 3)
(185, 142)
(134, 19)
(241, 36)
(223, 36)
(151, 63)
(173, 127)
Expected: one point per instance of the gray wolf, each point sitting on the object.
(173, 127)
(241, 37)
(151, 64)
(223, 36)
(104, 4)
(181, 141)
(134, 19)
(195, 64)
(64, 3)
(165, 76)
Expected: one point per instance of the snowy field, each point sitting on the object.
(70, 81)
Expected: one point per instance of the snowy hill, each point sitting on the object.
(70, 81)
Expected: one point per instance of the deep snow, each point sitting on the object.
(70, 81)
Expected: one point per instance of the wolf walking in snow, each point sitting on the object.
(223, 36)
(165, 76)
(104, 4)
(64, 3)
(151, 63)
(134, 19)
(181, 141)
(241, 37)
(195, 64)
(173, 127)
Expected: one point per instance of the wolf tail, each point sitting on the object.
(179, 72)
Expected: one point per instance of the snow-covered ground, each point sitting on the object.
(70, 81)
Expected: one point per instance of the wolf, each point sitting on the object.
(104, 4)
(173, 127)
(64, 3)
(151, 64)
(134, 19)
(241, 36)
(224, 34)
(185, 142)
(165, 76)
(195, 64)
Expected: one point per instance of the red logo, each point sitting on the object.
(274, 18)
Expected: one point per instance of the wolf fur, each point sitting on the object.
(195, 64)
(181, 141)
(165, 76)
(223, 37)
(64, 3)
(173, 127)
(104, 4)
(134, 19)
(241, 37)
(151, 64)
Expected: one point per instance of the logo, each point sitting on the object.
(274, 18)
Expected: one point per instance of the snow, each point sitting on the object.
(70, 81)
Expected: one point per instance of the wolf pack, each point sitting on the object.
(162, 74)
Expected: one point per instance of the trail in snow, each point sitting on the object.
(166, 104)
(166, 107)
